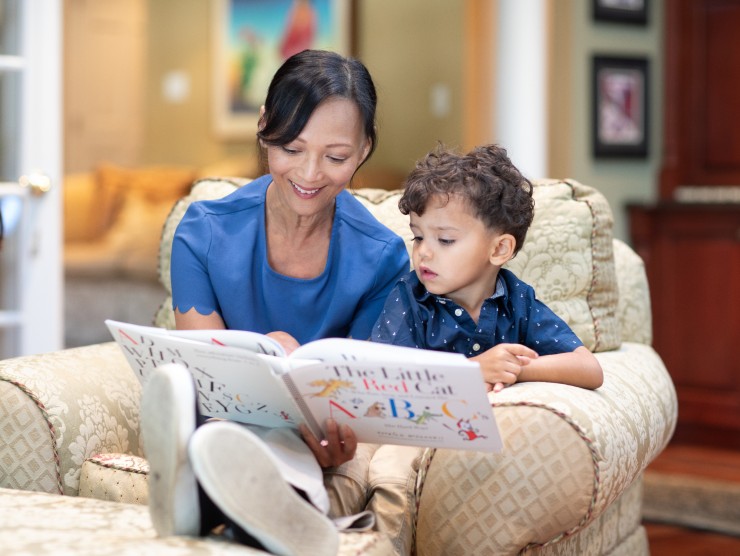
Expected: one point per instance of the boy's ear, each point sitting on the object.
(502, 249)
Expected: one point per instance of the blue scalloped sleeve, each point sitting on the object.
(191, 283)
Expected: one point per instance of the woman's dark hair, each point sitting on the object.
(303, 82)
(487, 181)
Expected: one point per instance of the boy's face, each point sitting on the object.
(454, 254)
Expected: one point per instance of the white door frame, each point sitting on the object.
(40, 139)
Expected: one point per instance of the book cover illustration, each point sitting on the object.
(410, 403)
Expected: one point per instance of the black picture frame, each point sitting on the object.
(634, 12)
(620, 111)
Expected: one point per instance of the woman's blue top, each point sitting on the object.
(219, 263)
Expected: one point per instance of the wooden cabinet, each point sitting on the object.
(692, 251)
(692, 257)
(702, 77)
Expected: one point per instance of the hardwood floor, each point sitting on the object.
(667, 540)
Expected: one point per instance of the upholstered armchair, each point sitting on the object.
(567, 482)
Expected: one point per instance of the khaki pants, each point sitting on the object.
(380, 478)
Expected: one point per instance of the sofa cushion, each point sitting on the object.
(568, 258)
(123, 219)
(83, 220)
(154, 183)
(41, 523)
(115, 477)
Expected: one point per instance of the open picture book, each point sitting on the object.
(386, 394)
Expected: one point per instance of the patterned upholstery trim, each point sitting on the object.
(424, 464)
(602, 220)
(616, 532)
(122, 462)
(52, 430)
(594, 269)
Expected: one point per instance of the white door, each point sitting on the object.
(30, 176)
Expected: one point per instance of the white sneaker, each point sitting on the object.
(168, 420)
(241, 476)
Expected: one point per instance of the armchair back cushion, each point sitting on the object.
(567, 257)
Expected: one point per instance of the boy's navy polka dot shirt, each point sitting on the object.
(414, 317)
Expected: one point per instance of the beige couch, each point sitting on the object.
(113, 217)
(567, 482)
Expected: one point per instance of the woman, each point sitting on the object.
(294, 234)
(292, 255)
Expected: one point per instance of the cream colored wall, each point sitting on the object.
(409, 48)
(575, 39)
(179, 37)
(104, 82)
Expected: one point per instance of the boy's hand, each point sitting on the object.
(339, 446)
(502, 364)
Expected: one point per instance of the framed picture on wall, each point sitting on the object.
(621, 11)
(252, 38)
(620, 106)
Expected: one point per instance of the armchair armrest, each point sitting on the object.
(57, 409)
(568, 454)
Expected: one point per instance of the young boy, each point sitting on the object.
(469, 215)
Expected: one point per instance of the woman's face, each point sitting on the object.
(310, 171)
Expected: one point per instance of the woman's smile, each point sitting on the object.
(304, 193)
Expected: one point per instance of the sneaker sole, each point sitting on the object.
(241, 476)
(170, 422)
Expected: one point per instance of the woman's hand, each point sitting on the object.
(339, 446)
(502, 364)
(288, 342)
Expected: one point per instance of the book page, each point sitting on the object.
(232, 383)
(339, 349)
(253, 341)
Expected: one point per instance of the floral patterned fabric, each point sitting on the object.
(38, 523)
(568, 259)
(58, 409)
(633, 309)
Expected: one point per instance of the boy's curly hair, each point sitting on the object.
(493, 188)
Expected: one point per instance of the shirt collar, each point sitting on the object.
(424, 295)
